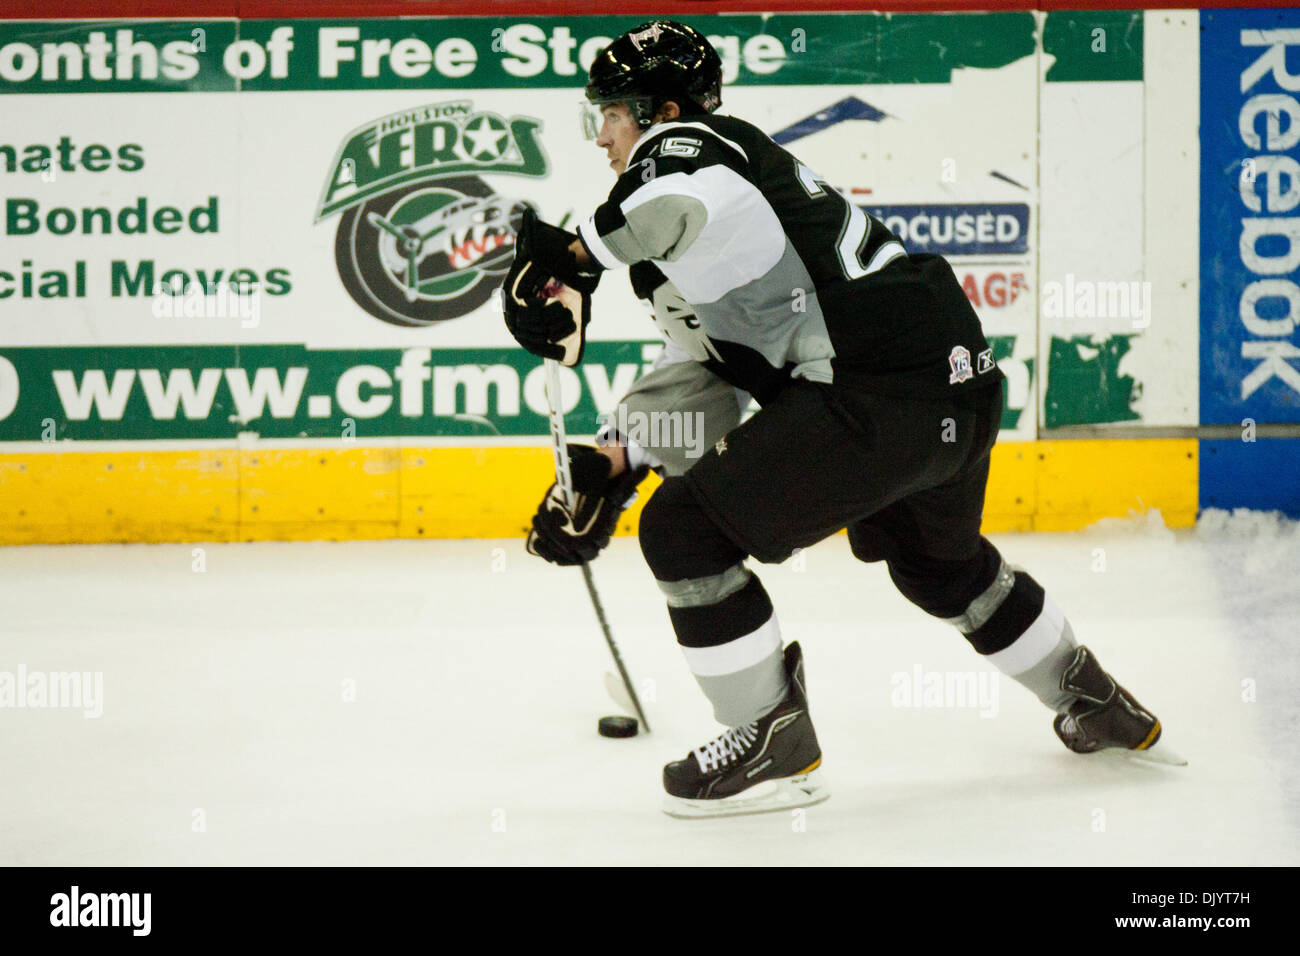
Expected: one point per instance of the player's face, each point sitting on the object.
(618, 134)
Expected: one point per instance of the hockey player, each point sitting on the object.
(880, 403)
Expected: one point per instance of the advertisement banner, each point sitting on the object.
(1250, 256)
(114, 393)
(1250, 232)
(294, 228)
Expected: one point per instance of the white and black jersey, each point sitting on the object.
(784, 277)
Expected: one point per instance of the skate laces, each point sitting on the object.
(726, 748)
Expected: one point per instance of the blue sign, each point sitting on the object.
(1250, 216)
(1250, 255)
(849, 108)
(959, 229)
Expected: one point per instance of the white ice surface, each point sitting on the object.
(478, 682)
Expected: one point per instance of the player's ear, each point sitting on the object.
(669, 111)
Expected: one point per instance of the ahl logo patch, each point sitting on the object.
(985, 360)
(421, 237)
(959, 361)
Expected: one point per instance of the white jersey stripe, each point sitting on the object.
(661, 127)
(885, 255)
(591, 236)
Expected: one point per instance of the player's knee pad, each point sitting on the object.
(679, 540)
(941, 587)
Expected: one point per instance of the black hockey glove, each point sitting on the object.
(566, 539)
(547, 319)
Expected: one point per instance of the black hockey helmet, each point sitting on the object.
(655, 62)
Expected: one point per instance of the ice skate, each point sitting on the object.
(771, 764)
(1106, 716)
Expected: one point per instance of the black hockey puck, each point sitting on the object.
(617, 726)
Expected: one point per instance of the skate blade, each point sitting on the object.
(784, 793)
(1158, 753)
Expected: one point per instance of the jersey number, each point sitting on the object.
(853, 234)
(682, 146)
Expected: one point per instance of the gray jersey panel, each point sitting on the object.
(678, 412)
(776, 315)
(660, 228)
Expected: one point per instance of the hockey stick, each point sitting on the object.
(559, 445)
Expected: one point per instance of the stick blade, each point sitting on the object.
(618, 693)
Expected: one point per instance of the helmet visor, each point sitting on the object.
(589, 119)
(593, 117)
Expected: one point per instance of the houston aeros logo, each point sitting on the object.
(422, 238)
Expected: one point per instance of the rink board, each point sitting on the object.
(1250, 257)
(320, 392)
(228, 494)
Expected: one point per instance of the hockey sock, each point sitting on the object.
(732, 645)
(721, 614)
(1023, 634)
